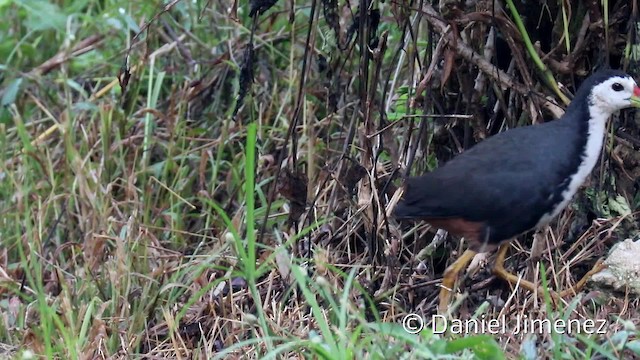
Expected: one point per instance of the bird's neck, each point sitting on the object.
(595, 129)
(595, 137)
(590, 131)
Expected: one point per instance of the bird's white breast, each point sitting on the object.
(588, 159)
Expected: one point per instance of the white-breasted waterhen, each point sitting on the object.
(517, 180)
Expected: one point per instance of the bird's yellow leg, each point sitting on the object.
(499, 271)
(599, 266)
(449, 279)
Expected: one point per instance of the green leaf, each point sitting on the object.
(528, 349)
(11, 92)
(620, 205)
(634, 346)
(43, 15)
(131, 23)
(483, 347)
(77, 87)
(619, 339)
(393, 116)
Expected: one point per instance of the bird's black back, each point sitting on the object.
(508, 181)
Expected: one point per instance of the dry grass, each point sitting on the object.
(148, 211)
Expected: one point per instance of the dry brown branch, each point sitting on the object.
(467, 53)
(63, 56)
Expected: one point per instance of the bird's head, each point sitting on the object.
(615, 93)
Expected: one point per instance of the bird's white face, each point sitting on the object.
(615, 93)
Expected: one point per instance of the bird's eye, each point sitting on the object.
(617, 87)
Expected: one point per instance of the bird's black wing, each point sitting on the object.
(487, 183)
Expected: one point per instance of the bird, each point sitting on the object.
(517, 180)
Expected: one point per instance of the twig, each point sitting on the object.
(434, 60)
(548, 76)
(405, 117)
(473, 57)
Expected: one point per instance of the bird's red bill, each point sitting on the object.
(635, 99)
